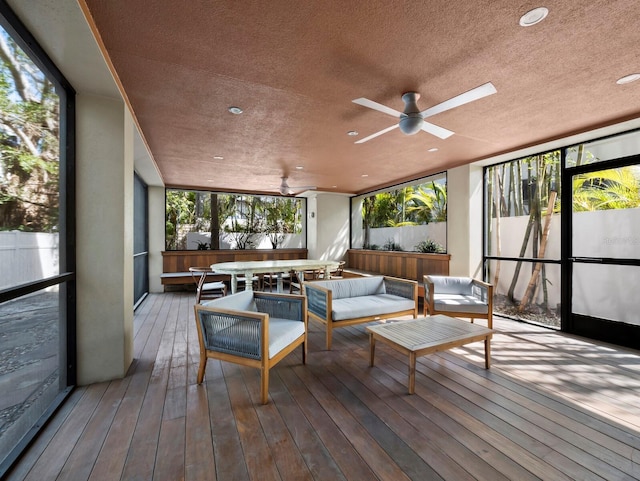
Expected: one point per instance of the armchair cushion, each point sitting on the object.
(282, 332)
(452, 285)
(459, 302)
(241, 301)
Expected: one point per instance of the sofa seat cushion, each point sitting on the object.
(365, 306)
(243, 338)
(458, 302)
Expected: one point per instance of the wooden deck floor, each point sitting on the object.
(552, 407)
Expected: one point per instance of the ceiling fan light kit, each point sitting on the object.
(411, 121)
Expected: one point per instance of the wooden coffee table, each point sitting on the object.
(425, 335)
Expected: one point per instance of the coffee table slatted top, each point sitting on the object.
(418, 334)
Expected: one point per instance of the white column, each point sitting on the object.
(104, 215)
(328, 229)
(464, 220)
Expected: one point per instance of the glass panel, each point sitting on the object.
(29, 170)
(239, 221)
(606, 214)
(604, 149)
(409, 217)
(140, 241)
(602, 291)
(526, 291)
(30, 357)
(523, 207)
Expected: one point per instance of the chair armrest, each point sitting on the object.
(282, 306)
(401, 287)
(319, 300)
(482, 291)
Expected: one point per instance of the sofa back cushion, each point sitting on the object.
(354, 287)
(241, 301)
(451, 285)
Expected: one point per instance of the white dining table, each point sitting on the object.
(278, 267)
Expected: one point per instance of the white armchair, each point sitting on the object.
(458, 297)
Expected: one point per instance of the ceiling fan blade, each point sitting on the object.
(376, 106)
(373, 136)
(477, 93)
(436, 130)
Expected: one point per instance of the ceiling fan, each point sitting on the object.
(412, 120)
(285, 189)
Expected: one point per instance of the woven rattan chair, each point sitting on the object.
(256, 329)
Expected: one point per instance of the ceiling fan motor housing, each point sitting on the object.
(411, 121)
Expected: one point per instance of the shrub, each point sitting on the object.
(391, 245)
(429, 246)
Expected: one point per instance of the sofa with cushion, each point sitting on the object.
(256, 329)
(458, 297)
(345, 302)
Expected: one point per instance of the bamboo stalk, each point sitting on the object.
(543, 245)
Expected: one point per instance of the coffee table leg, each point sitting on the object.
(372, 349)
(487, 352)
(412, 372)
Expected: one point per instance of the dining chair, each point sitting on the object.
(206, 290)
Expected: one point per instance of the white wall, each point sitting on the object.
(260, 241)
(27, 257)
(598, 290)
(409, 236)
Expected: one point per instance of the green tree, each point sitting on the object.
(281, 216)
(606, 189)
(180, 211)
(29, 145)
(429, 203)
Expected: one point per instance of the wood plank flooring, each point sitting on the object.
(551, 407)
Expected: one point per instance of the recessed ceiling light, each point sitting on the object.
(235, 110)
(365, 175)
(352, 133)
(299, 167)
(534, 16)
(218, 157)
(434, 149)
(627, 79)
(334, 186)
